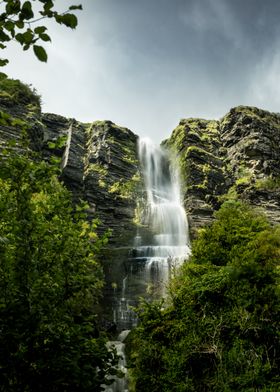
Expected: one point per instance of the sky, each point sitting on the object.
(146, 64)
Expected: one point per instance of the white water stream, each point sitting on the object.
(161, 245)
(165, 216)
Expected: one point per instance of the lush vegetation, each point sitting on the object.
(220, 331)
(50, 282)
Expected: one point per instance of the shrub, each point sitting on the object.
(220, 331)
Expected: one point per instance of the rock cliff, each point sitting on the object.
(99, 160)
(236, 157)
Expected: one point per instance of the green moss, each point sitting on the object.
(102, 183)
(96, 167)
(268, 183)
(126, 189)
(243, 181)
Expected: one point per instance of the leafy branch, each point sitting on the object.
(17, 19)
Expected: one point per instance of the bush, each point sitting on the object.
(221, 330)
(16, 92)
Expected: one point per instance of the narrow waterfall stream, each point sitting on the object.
(164, 215)
(161, 244)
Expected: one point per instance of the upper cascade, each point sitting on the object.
(164, 215)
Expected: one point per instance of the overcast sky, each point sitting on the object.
(145, 64)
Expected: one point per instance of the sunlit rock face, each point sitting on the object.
(238, 156)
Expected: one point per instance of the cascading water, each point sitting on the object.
(162, 242)
(164, 215)
(160, 245)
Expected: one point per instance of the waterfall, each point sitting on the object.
(161, 244)
(162, 241)
(164, 216)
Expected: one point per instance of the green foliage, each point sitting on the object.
(236, 225)
(50, 282)
(220, 331)
(17, 92)
(17, 19)
(268, 183)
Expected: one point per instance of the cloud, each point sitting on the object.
(265, 81)
(213, 16)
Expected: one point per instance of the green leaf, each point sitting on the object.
(75, 7)
(20, 38)
(51, 145)
(40, 29)
(69, 20)
(20, 24)
(48, 6)
(3, 62)
(13, 7)
(40, 53)
(28, 36)
(26, 11)
(9, 25)
(2, 46)
(4, 37)
(45, 37)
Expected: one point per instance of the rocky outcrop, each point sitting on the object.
(99, 165)
(197, 143)
(236, 157)
(251, 139)
(99, 161)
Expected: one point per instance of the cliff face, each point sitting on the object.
(100, 166)
(238, 156)
(99, 160)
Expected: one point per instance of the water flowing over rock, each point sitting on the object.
(164, 215)
(119, 384)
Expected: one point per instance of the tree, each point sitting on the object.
(21, 23)
(50, 282)
(220, 331)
